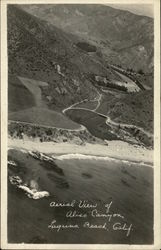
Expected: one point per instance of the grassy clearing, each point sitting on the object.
(34, 87)
(24, 94)
(44, 117)
(19, 97)
(93, 122)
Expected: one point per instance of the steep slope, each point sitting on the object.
(136, 108)
(41, 51)
(53, 70)
(123, 37)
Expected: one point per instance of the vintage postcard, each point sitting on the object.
(80, 105)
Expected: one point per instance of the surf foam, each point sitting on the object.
(12, 163)
(31, 192)
(93, 157)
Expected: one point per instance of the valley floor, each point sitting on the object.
(114, 149)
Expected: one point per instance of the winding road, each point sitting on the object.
(97, 99)
(108, 119)
(125, 125)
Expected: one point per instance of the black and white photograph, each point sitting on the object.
(80, 123)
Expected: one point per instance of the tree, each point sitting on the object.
(49, 132)
(140, 71)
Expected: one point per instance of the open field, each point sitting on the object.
(19, 97)
(26, 104)
(34, 87)
(43, 116)
(93, 122)
(103, 127)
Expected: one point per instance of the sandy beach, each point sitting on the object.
(115, 149)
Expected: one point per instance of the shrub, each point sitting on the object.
(49, 132)
(140, 71)
(86, 47)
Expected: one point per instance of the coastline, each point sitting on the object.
(118, 150)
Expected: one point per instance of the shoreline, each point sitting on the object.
(100, 158)
(117, 150)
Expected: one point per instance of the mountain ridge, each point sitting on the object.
(74, 71)
(108, 28)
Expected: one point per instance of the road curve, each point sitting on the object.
(82, 128)
(110, 122)
(125, 125)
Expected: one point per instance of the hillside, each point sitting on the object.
(19, 98)
(43, 52)
(80, 125)
(51, 70)
(123, 37)
(136, 108)
(44, 117)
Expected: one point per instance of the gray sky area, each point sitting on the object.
(139, 9)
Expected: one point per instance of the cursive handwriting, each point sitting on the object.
(95, 226)
(96, 214)
(57, 227)
(74, 214)
(123, 227)
(90, 216)
(108, 206)
(63, 204)
(86, 204)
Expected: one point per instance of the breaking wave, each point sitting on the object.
(41, 156)
(93, 157)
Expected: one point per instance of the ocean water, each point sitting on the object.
(107, 201)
